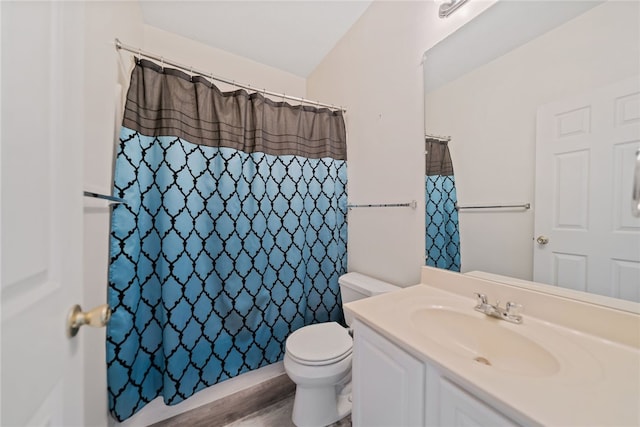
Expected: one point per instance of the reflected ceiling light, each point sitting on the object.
(449, 7)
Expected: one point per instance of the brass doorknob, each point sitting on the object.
(542, 240)
(97, 317)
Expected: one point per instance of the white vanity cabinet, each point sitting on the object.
(393, 388)
(452, 406)
(388, 383)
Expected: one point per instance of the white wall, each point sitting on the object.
(105, 68)
(221, 63)
(491, 115)
(376, 72)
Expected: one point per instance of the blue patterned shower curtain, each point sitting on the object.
(442, 237)
(232, 237)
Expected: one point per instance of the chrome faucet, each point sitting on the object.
(511, 312)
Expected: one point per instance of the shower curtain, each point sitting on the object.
(232, 237)
(442, 237)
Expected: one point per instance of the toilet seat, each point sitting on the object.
(319, 344)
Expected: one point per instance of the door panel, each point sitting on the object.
(570, 271)
(624, 279)
(41, 181)
(585, 153)
(572, 191)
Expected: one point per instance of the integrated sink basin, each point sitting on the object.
(485, 340)
(569, 363)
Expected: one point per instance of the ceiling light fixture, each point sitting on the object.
(448, 8)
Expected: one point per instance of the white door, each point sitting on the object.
(586, 237)
(41, 211)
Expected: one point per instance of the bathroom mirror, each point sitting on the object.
(517, 79)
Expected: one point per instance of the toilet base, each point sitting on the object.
(321, 406)
(323, 387)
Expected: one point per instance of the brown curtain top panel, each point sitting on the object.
(168, 102)
(438, 158)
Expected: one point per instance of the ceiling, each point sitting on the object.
(292, 35)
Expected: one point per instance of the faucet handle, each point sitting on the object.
(481, 298)
(513, 309)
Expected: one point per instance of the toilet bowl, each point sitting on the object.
(318, 360)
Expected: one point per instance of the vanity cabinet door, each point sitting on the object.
(388, 383)
(458, 408)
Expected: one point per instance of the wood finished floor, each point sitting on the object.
(268, 404)
(277, 415)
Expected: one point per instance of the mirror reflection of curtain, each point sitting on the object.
(442, 237)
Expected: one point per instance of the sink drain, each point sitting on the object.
(482, 360)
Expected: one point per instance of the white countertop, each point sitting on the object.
(589, 380)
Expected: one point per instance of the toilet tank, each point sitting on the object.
(355, 286)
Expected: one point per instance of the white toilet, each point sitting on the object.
(318, 359)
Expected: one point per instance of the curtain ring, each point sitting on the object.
(283, 95)
(139, 54)
(162, 63)
(211, 77)
(191, 74)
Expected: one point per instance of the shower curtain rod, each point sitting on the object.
(191, 70)
(521, 206)
(412, 204)
(438, 137)
(111, 199)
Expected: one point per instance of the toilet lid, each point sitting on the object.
(320, 343)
